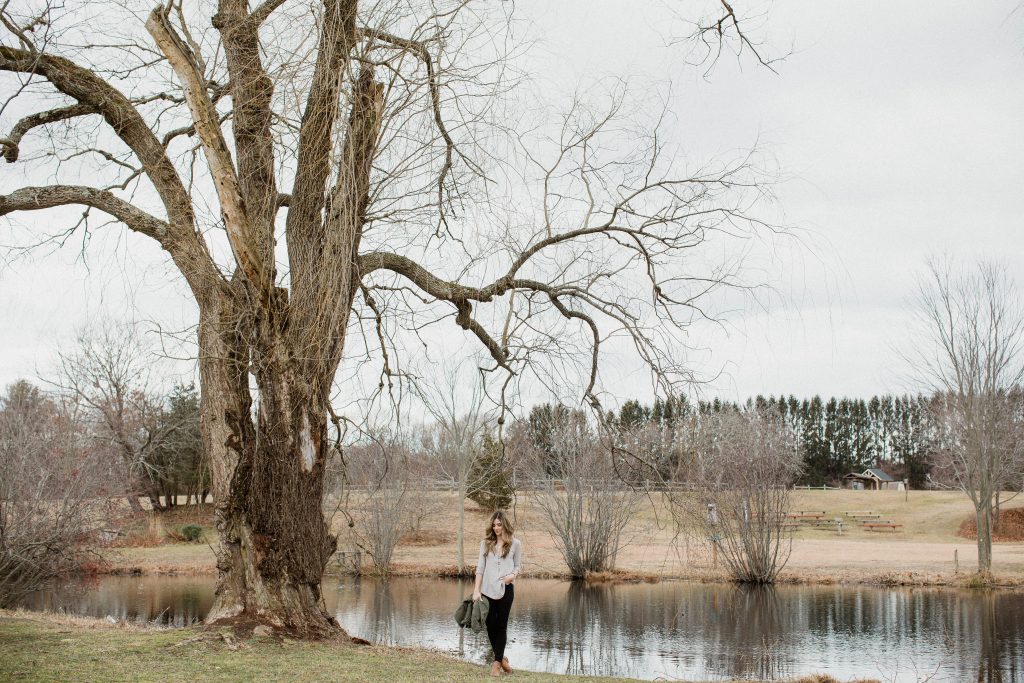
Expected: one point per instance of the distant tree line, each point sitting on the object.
(836, 436)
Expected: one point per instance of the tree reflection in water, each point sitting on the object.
(160, 600)
(670, 630)
(753, 632)
(1000, 658)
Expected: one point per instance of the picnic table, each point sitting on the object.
(828, 524)
(881, 526)
(863, 515)
(805, 515)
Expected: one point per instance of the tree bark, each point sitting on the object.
(461, 536)
(984, 520)
(268, 475)
(133, 503)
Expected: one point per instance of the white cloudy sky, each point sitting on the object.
(899, 125)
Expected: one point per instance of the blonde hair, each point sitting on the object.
(491, 538)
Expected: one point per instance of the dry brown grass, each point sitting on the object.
(61, 619)
(427, 537)
(52, 647)
(921, 554)
(151, 529)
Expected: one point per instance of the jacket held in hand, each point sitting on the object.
(472, 614)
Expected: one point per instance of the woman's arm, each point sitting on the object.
(517, 561)
(479, 572)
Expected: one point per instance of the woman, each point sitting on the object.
(501, 559)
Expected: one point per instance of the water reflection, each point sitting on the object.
(667, 630)
(164, 600)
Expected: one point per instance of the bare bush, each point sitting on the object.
(390, 504)
(742, 464)
(49, 488)
(582, 498)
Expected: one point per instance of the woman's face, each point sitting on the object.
(498, 527)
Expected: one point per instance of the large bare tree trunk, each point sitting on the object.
(268, 480)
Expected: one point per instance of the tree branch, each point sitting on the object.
(11, 143)
(305, 226)
(83, 85)
(419, 50)
(251, 93)
(89, 89)
(263, 11)
(34, 198)
(236, 220)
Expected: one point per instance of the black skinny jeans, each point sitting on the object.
(497, 621)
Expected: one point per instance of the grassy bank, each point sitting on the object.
(48, 647)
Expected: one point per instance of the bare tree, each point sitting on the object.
(354, 156)
(742, 465)
(970, 354)
(107, 374)
(455, 441)
(582, 496)
(51, 492)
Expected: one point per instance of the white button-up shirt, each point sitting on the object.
(494, 568)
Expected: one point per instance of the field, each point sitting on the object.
(925, 550)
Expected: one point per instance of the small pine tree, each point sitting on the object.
(490, 482)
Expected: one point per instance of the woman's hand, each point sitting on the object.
(508, 578)
(476, 595)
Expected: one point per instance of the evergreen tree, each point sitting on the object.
(178, 458)
(816, 446)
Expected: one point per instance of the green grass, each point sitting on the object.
(51, 647)
(58, 648)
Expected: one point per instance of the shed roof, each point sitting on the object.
(879, 474)
(870, 473)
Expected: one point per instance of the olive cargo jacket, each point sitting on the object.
(472, 614)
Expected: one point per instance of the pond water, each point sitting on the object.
(669, 630)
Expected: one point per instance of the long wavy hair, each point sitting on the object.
(491, 538)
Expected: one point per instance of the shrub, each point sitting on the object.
(52, 491)
(192, 533)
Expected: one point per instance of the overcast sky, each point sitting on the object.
(899, 128)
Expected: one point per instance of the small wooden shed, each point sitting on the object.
(871, 479)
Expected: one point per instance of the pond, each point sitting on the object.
(669, 630)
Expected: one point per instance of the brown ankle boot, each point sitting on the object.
(505, 665)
